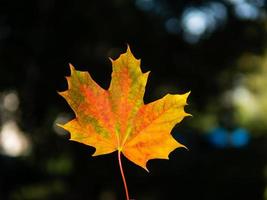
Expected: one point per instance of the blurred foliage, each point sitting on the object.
(243, 96)
(48, 190)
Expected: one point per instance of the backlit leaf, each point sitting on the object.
(117, 118)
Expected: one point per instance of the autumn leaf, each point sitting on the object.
(117, 118)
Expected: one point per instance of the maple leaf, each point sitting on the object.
(117, 118)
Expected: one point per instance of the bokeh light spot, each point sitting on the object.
(194, 22)
(13, 142)
(218, 11)
(219, 137)
(11, 101)
(246, 11)
(240, 137)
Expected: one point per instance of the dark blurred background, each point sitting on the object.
(215, 49)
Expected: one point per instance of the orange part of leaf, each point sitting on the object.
(117, 118)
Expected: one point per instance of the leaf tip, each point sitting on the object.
(147, 73)
(143, 165)
(60, 125)
(183, 146)
(128, 51)
(111, 60)
(145, 168)
(64, 94)
(187, 93)
(72, 68)
(188, 115)
(95, 154)
(128, 47)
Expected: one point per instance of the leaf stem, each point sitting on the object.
(122, 175)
